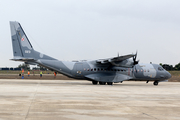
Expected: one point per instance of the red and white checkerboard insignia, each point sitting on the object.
(22, 39)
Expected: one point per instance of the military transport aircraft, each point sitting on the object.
(102, 71)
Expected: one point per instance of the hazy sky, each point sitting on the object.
(94, 29)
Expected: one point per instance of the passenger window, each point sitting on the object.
(94, 69)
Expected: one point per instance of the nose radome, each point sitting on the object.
(169, 75)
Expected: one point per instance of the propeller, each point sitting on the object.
(134, 59)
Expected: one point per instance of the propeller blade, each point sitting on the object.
(134, 59)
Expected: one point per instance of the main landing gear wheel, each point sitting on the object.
(156, 83)
(109, 83)
(102, 83)
(94, 82)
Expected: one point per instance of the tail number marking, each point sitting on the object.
(27, 51)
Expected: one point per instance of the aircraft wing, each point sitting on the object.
(115, 59)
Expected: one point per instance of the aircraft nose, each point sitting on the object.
(168, 75)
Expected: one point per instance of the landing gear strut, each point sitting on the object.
(155, 83)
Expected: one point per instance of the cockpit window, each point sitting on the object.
(160, 69)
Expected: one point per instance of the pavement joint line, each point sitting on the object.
(32, 100)
(81, 100)
(129, 107)
(149, 115)
(132, 107)
(143, 113)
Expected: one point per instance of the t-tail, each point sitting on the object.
(22, 48)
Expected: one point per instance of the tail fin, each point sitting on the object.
(22, 48)
(21, 44)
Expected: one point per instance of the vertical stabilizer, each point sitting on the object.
(22, 48)
(21, 45)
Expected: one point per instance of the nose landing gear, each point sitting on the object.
(155, 83)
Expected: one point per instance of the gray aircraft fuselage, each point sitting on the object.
(111, 70)
(80, 70)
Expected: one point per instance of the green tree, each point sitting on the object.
(39, 68)
(177, 66)
(24, 66)
(167, 66)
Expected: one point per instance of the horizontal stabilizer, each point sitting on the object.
(22, 59)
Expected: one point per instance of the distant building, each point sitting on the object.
(10, 68)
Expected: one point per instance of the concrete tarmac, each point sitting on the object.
(80, 100)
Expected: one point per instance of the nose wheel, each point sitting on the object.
(155, 83)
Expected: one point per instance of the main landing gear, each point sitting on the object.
(101, 83)
(109, 83)
(155, 83)
(94, 82)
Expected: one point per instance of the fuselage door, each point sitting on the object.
(152, 73)
(79, 69)
(129, 72)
